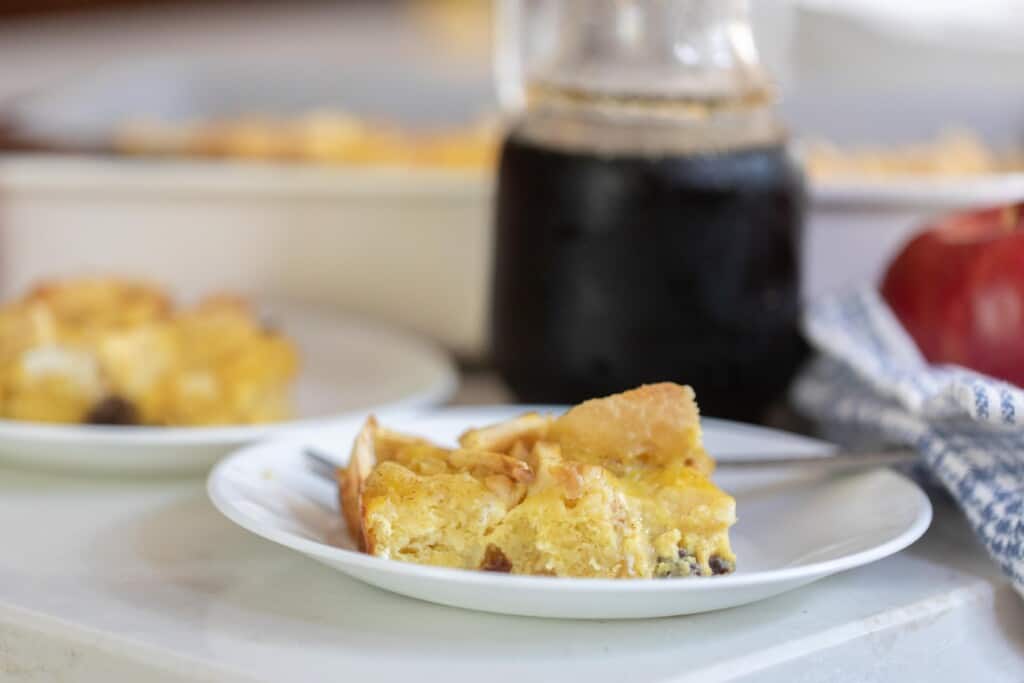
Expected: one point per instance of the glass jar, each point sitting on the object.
(648, 212)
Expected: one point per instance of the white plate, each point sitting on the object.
(349, 366)
(794, 528)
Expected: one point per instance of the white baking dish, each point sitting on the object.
(403, 245)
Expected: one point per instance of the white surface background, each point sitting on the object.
(799, 39)
(106, 580)
(101, 576)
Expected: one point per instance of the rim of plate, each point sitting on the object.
(431, 396)
(937, 193)
(315, 548)
(70, 172)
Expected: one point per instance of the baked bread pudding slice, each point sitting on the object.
(576, 520)
(113, 351)
(405, 498)
(617, 487)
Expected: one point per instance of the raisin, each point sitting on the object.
(684, 564)
(495, 561)
(720, 566)
(113, 410)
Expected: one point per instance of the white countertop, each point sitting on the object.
(111, 580)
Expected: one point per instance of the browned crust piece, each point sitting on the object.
(498, 463)
(495, 561)
(387, 443)
(655, 423)
(502, 437)
(352, 478)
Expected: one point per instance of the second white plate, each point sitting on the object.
(794, 527)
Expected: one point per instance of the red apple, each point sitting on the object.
(958, 289)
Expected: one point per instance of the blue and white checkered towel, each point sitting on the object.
(968, 427)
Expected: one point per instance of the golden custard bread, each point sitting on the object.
(113, 351)
(617, 487)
